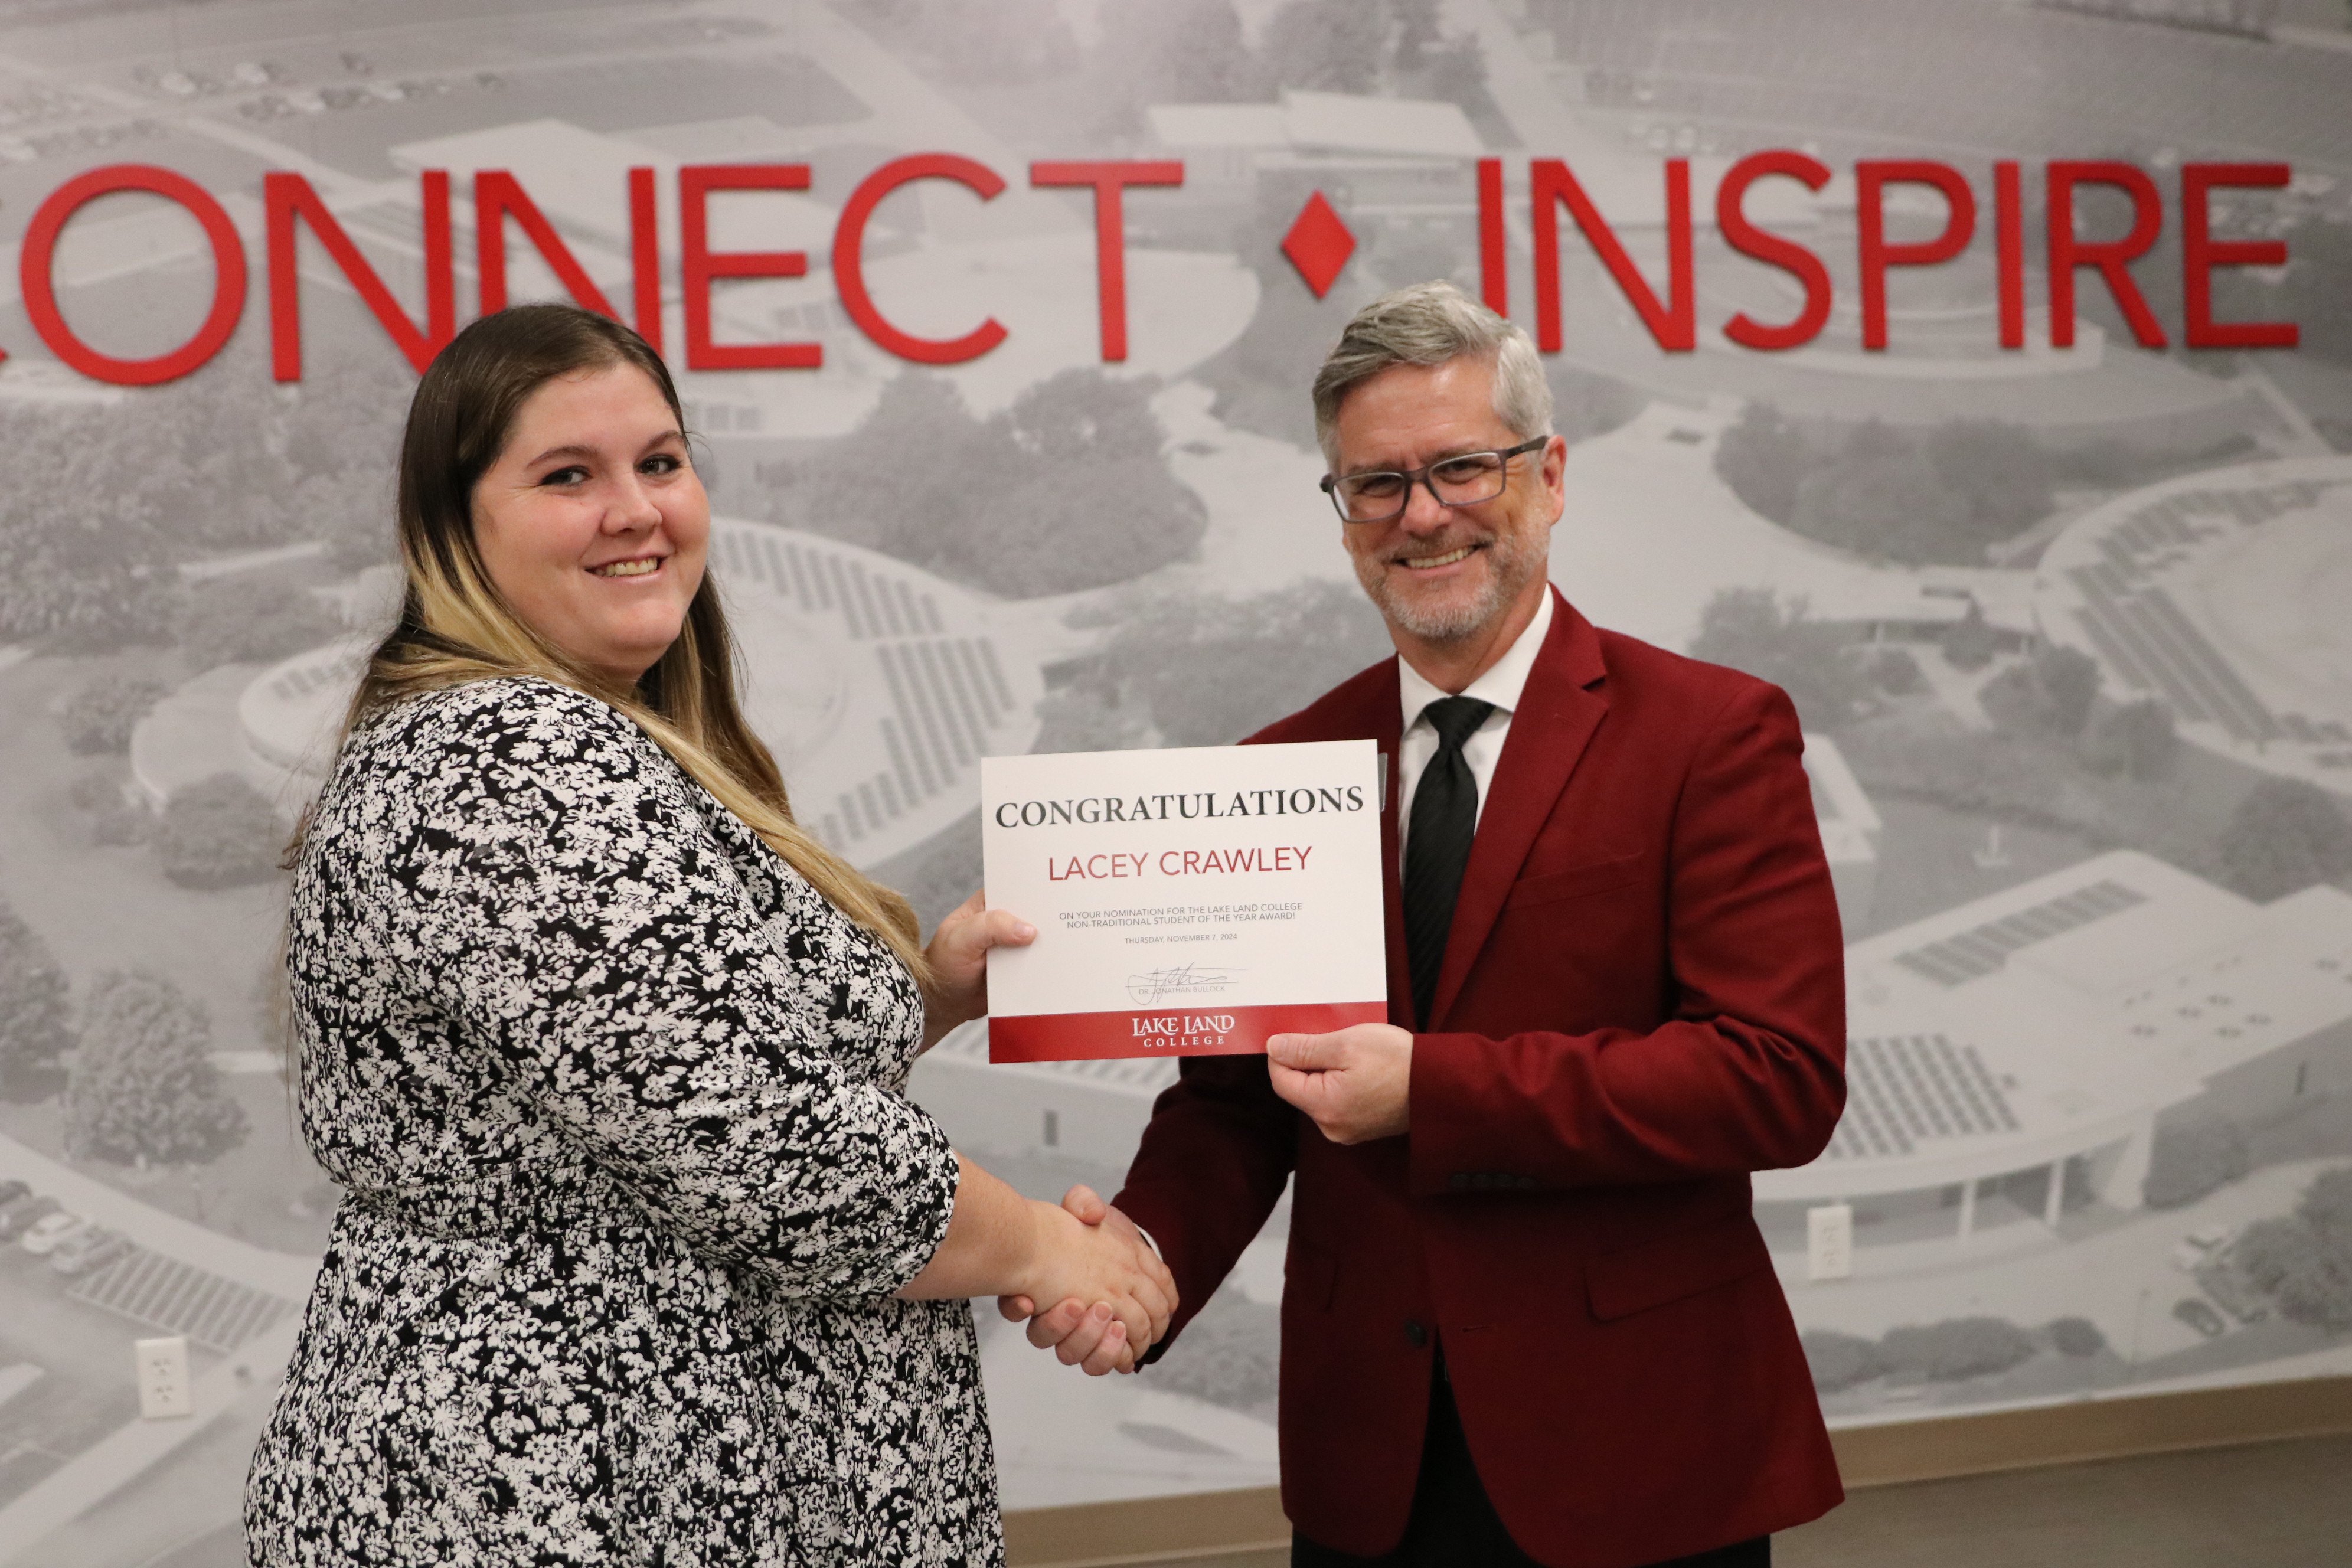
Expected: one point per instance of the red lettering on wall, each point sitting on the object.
(1772, 250)
(1674, 326)
(1109, 180)
(2200, 253)
(2008, 251)
(2067, 252)
(1494, 252)
(38, 260)
(645, 255)
(849, 257)
(498, 195)
(284, 199)
(701, 266)
(1871, 178)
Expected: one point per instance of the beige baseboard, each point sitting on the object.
(2093, 1429)
(1203, 1527)
(1243, 1529)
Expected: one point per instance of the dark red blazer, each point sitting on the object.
(1643, 1001)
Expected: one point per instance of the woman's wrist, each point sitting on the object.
(1030, 1269)
(942, 1018)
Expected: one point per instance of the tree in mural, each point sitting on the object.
(256, 618)
(1838, 1360)
(2190, 1159)
(2305, 1261)
(2137, 740)
(1176, 51)
(2285, 835)
(89, 566)
(142, 1090)
(1939, 495)
(1970, 643)
(34, 997)
(2076, 1337)
(1881, 496)
(1955, 1348)
(97, 718)
(1763, 458)
(1004, 40)
(2049, 694)
(1815, 663)
(1079, 496)
(1329, 45)
(219, 833)
(1064, 490)
(1210, 670)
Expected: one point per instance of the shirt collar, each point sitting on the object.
(1502, 683)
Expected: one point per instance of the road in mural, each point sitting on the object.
(2065, 620)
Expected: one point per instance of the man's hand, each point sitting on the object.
(1353, 1084)
(1079, 1335)
(959, 955)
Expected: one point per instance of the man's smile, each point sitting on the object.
(1431, 562)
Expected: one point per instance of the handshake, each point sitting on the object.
(1112, 1295)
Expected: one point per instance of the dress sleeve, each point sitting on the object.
(568, 906)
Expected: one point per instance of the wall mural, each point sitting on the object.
(1981, 372)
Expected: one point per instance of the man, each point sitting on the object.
(1527, 1316)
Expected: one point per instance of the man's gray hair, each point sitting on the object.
(1430, 324)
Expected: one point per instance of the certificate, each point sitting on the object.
(1188, 902)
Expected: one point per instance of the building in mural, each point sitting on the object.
(2221, 595)
(2033, 1040)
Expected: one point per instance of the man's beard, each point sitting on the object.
(1510, 564)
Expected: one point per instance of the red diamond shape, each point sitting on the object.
(1319, 245)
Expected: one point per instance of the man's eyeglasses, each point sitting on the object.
(1464, 480)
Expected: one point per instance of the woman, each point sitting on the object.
(645, 1257)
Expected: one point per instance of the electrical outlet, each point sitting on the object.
(1829, 1242)
(164, 1391)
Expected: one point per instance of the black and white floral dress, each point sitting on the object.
(617, 1100)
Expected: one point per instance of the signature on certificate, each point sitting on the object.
(1155, 986)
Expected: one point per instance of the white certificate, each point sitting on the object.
(1188, 902)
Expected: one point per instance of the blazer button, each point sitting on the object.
(1415, 1335)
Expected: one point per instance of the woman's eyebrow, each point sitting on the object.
(580, 451)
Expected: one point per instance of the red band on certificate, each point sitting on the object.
(1195, 1031)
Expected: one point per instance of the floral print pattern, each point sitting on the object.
(618, 1103)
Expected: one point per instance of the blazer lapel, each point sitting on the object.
(1555, 720)
(1374, 712)
(1399, 967)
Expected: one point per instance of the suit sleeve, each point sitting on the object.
(1210, 1169)
(1745, 1073)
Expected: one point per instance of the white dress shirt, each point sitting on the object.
(1501, 686)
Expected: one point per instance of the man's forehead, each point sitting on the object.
(1419, 411)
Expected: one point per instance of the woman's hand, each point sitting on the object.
(959, 955)
(1078, 1261)
(1115, 1297)
(1076, 1332)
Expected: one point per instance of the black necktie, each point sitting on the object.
(1437, 845)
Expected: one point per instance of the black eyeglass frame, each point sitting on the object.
(1411, 477)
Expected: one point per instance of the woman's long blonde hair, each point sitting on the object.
(456, 626)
